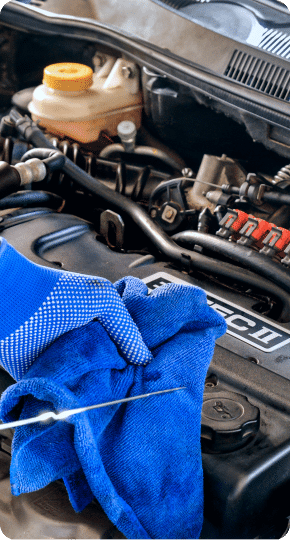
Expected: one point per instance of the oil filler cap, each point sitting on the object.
(228, 421)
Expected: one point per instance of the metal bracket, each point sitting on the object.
(112, 227)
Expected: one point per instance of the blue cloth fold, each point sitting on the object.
(141, 460)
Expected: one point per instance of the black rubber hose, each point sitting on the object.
(246, 277)
(276, 198)
(32, 199)
(54, 159)
(10, 180)
(257, 262)
(29, 130)
(119, 202)
(168, 248)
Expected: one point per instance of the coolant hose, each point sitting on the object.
(29, 130)
(165, 245)
(32, 199)
(257, 262)
(176, 165)
(119, 202)
(160, 240)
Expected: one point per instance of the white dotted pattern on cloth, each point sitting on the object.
(73, 302)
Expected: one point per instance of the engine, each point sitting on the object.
(182, 195)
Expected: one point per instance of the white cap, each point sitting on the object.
(126, 130)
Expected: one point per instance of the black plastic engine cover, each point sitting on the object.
(246, 484)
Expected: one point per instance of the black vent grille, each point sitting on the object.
(259, 74)
(276, 42)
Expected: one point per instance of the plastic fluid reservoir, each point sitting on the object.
(74, 101)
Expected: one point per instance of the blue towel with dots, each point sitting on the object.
(141, 460)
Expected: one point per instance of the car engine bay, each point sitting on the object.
(185, 194)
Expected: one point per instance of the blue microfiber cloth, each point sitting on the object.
(141, 460)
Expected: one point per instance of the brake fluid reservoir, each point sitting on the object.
(74, 101)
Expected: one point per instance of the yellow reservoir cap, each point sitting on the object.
(68, 76)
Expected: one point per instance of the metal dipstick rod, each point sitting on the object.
(65, 414)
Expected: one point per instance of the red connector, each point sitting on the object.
(277, 240)
(232, 223)
(253, 230)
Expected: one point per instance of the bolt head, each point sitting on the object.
(169, 214)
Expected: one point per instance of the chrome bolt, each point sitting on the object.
(187, 173)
